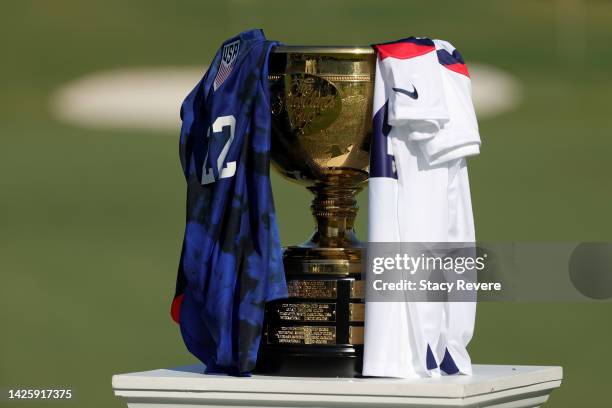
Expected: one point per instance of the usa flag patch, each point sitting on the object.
(228, 57)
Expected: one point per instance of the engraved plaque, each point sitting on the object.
(307, 312)
(356, 335)
(356, 312)
(358, 289)
(328, 268)
(302, 335)
(312, 289)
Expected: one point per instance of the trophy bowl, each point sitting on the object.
(321, 105)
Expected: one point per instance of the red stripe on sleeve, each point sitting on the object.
(458, 68)
(403, 50)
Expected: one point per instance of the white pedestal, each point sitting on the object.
(490, 386)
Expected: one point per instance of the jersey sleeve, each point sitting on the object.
(459, 137)
(416, 98)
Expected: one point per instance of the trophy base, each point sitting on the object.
(319, 362)
(318, 329)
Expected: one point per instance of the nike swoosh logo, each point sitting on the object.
(414, 94)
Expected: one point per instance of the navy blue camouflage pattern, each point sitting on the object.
(231, 261)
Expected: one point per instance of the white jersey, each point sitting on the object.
(419, 192)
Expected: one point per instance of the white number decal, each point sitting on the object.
(230, 168)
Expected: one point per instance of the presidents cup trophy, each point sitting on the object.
(321, 102)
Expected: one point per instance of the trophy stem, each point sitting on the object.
(334, 208)
(333, 247)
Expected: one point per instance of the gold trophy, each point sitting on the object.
(321, 103)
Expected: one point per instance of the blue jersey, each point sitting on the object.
(231, 261)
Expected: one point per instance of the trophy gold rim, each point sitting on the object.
(323, 49)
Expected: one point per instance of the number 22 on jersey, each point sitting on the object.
(216, 130)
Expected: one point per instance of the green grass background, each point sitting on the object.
(91, 220)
